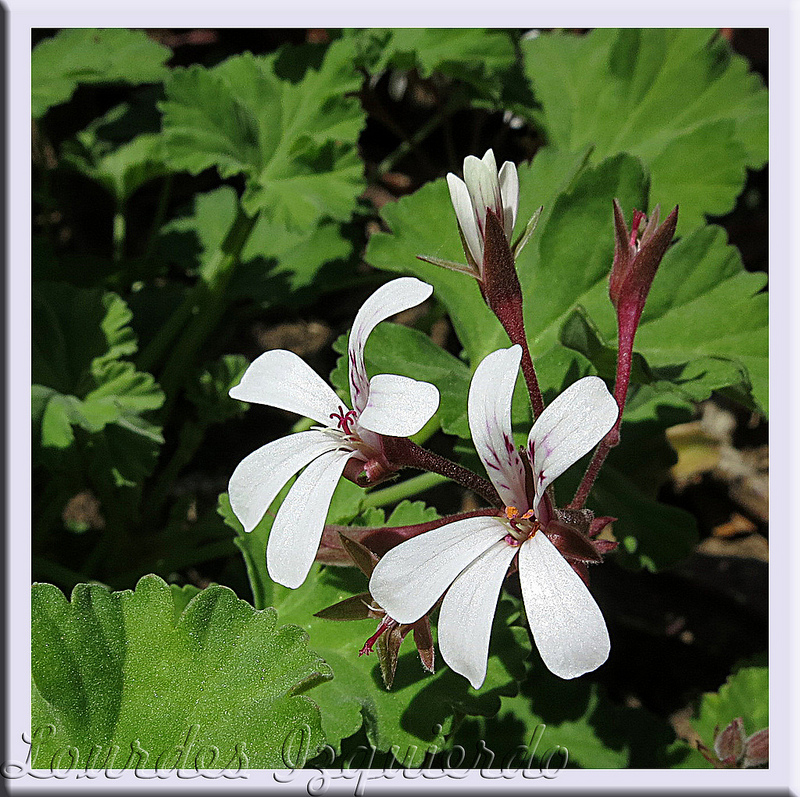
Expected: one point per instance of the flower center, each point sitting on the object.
(345, 419)
(521, 527)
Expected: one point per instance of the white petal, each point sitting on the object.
(410, 578)
(570, 426)
(567, 625)
(489, 409)
(465, 215)
(483, 186)
(468, 608)
(281, 379)
(509, 191)
(388, 300)
(259, 477)
(489, 160)
(398, 405)
(297, 529)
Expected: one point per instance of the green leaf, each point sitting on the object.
(294, 140)
(419, 709)
(209, 392)
(79, 336)
(550, 713)
(81, 55)
(120, 170)
(694, 380)
(276, 263)
(477, 57)
(396, 349)
(676, 98)
(120, 669)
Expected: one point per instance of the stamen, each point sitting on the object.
(520, 531)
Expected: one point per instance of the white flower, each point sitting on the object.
(483, 187)
(384, 405)
(469, 558)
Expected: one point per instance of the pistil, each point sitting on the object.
(344, 419)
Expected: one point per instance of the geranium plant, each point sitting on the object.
(362, 363)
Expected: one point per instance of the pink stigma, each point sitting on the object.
(344, 419)
(385, 625)
(638, 217)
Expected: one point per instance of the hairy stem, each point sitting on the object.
(404, 453)
(623, 378)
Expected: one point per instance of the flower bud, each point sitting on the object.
(729, 745)
(637, 257)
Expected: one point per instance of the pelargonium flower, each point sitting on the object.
(482, 188)
(467, 560)
(485, 204)
(387, 404)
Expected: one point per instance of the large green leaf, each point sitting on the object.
(292, 137)
(119, 669)
(676, 98)
(418, 711)
(84, 55)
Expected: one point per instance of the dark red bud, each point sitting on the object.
(632, 273)
(388, 650)
(756, 749)
(729, 745)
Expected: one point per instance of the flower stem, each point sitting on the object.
(623, 378)
(405, 489)
(402, 452)
(517, 335)
(503, 295)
